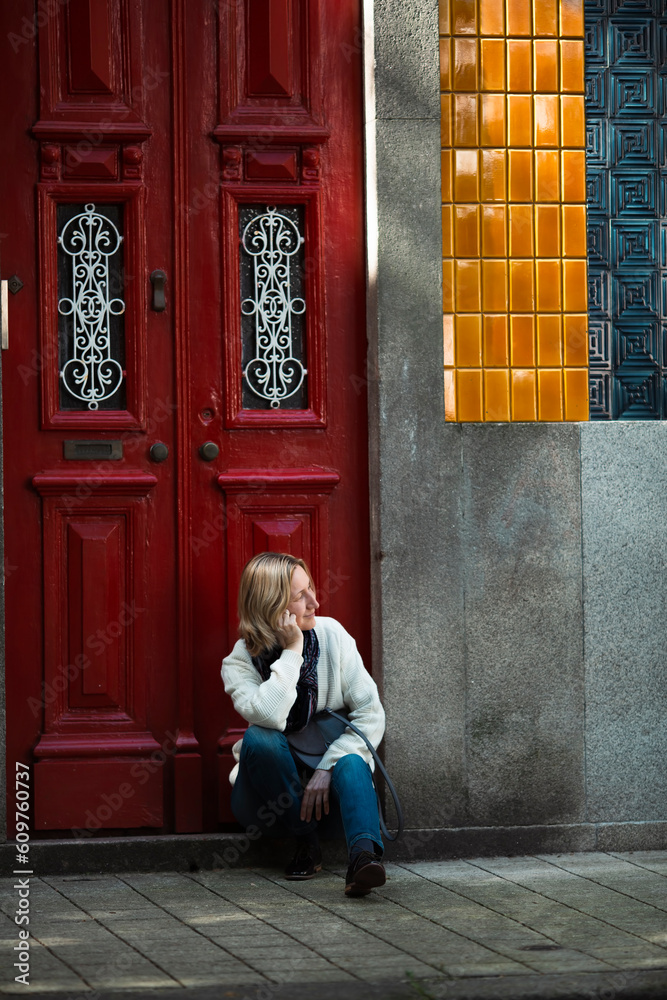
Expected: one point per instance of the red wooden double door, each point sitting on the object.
(183, 379)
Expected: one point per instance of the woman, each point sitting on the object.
(287, 666)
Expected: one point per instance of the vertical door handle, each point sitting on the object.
(158, 281)
(4, 309)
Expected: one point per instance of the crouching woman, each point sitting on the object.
(286, 667)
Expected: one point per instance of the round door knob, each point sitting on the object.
(208, 451)
(159, 452)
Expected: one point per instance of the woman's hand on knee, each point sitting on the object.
(316, 795)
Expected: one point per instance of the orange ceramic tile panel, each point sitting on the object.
(515, 325)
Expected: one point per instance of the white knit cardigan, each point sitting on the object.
(342, 683)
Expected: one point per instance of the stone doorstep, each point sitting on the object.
(206, 851)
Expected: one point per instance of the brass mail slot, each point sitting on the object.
(93, 450)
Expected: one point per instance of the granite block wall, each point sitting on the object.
(519, 569)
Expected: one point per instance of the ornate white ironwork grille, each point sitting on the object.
(91, 331)
(271, 292)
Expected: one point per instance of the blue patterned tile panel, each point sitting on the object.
(626, 183)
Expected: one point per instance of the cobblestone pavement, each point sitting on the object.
(566, 925)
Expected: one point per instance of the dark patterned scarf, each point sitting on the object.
(305, 705)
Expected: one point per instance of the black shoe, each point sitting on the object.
(366, 872)
(307, 861)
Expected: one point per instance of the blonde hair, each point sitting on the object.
(264, 593)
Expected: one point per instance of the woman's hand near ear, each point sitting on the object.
(290, 635)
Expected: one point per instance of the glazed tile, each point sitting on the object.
(466, 230)
(545, 17)
(546, 120)
(545, 65)
(519, 65)
(494, 285)
(522, 293)
(546, 175)
(466, 175)
(468, 341)
(444, 64)
(463, 17)
(573, 123)
(550, 394)
(465, 64)
(446, 174)
(519, 21)
(491, 17)
(547, 231)
(572, 66)
(576, 393)
(448, 285)
(445, 120)
(492, 126)
(520, 119)
(450, 394)
(520, 175)
(524, 405)
(574, 230)
(572, 18)
(493, 186)
(468, 296)
(496, 352)
(447, 241)
(547, 281)
(548, 341)
(465, 119)
(448, 338)
(522, 341)
(573, 174)
(493, 64)
(575, 339)
(494, 231)
(497, 394)
(469, 394)
(521, 231)
(443, 17)
(575, 287)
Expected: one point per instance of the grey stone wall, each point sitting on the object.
(624, 506)
(536, 719)
(3, 724)
(521, 578)
(519, 570)
(414, 486)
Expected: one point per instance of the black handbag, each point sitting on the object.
(311, 743)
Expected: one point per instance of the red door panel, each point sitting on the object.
(222, 145)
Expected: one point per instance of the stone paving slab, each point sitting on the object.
(619, 874)
(411, 932)
(654, 861)
(641, 920)
(562, 926)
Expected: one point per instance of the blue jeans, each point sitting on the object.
(267, 792)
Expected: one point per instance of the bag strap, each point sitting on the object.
(380, 765)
